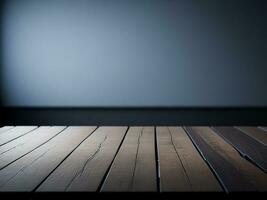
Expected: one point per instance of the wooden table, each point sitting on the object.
(152, 159)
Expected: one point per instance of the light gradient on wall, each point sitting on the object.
(134, 53)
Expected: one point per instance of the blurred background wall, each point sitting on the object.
(133, 53)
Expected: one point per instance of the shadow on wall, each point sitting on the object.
(2, 4)
(151, 53)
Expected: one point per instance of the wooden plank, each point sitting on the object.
(263, 128)
(25, 144)
(134, 168)
(15, 133)
(181, 166)
(172, 174)
(5, 128)
(254, 132)
(247, 146)
(28, 172)
(234, 171)
(86, 166)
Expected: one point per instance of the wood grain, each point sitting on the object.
(234, 172)
(246, 145)
(25, 144)
(5, 128)
(15, 133)
(134, 168)
(254, 132)
(114, 159)
(263, 128)
(28, 172)
(86, 166)
(181, 166)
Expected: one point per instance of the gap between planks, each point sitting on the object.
(234, 172)
(142, 159)
(250, 148)
(20, 147)
(29, 171)
(84, 169)
(134, 168)
(181, 166)
(15, 133)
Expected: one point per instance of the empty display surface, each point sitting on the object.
(133, 53)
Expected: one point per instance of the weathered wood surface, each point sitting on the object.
(254, 132)
(181, 166)
(85, 168)
(234, 171)
(110, 159)
(28, 172)
(263, 128)
(134, 168)
(246, 145)
(15, 133)
(5, 128)
(25, 144)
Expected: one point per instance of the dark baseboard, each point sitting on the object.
(134, 116)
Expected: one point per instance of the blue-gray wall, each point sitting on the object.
(134, 53)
